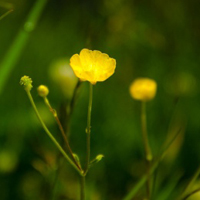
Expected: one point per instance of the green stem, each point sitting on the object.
(5, 14)
(82, 184)
(143, 180)
(192, 193)
(62, 131)
(50, 135)
(148, 154)
(19, 43)
(71, 107)
(88, 129)
(190, 184)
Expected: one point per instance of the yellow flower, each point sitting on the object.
(92, 66)
(143, 89)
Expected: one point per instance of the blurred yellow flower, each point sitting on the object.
(143, 89)
(92, 66)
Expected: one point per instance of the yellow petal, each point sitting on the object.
(92, 66)
(86, 58)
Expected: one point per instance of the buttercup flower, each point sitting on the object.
(92, 66)
(143, 89)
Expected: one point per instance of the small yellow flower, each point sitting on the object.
(43, 90)
(143, 89)
(92, 66)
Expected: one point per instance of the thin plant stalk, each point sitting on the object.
(192, 193)
(88, 129)
(19, 43)
(50, 135)
(88, 132)
(153, 167)
(62, 131)
(190, 184)
(5, 14)
(82, 184)
(148, 154)
(71, 107)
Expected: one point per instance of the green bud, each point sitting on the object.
(97, 159)
(26, 82)
(76, 158)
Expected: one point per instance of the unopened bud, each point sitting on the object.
(43, 90)
(97, 159)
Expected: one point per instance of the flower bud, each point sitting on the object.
(76, 158)
(143, 89)
(43, 90)
(26, 82)
(97, 159)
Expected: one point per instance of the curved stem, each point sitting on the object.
(189, 185)
(190, 194)
(50, 135)
(62, 131)
(148, 154)
(88, 129)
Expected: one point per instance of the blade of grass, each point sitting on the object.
(191, 193)
(19, 43)
(190, 184)
(143, 180)
(166, 193)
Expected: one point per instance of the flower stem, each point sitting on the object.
(148, 154)
(5, 14)
(62, 131)
(88, 129)
(50, 135)
(82, 184)
(153, 167)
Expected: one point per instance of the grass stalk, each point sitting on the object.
(19, 43)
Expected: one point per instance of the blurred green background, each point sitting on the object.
(155, 39)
